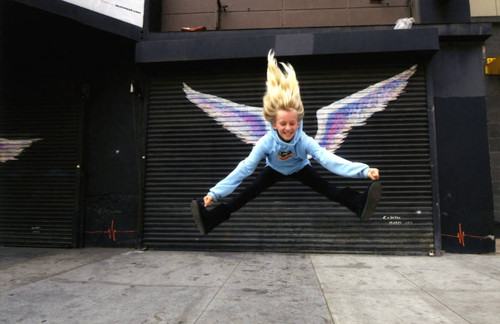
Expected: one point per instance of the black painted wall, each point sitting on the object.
(112, 150)
(467, 224)
(493, 103)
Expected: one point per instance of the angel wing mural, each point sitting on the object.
(10, 149)
(230, 115)
(334, 121)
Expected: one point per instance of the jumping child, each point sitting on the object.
(286, 148)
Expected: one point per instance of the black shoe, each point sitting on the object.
(208, 220)
(369, 201)
(199, 212)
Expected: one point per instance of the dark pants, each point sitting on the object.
(307, 176)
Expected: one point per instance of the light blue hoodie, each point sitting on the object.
(286, 158)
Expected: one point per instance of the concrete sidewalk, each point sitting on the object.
(125, 286)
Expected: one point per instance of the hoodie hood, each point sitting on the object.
(295, 139)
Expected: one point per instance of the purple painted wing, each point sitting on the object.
(336, 120)
(10, 149)
(246, 122)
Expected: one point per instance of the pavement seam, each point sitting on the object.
(428, 293)
(124, 284)
(217, 292)
(439, 301)
(50, 276)
(332, 316)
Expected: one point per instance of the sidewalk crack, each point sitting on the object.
(216, 293)
(332, 316)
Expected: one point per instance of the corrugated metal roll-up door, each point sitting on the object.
(39, 187)
(188, 152)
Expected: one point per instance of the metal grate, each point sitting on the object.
(187, 153)
(39, 191)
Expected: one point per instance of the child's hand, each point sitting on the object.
(208, 200)
(373, 174)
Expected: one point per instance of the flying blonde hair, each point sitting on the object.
(283, 91)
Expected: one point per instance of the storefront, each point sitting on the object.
(187, 152)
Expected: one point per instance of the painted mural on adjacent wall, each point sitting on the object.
(10, 149)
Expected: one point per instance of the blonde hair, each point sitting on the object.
(282, 92)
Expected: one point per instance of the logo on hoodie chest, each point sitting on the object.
(283, 156)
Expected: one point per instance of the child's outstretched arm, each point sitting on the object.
(234, 179)
(338, 165)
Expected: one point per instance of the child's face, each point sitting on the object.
(286, 124)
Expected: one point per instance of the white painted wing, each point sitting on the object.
(336, 120)
(246, 122)
(10, 149)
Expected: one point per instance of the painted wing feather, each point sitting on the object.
(336, 120)
(246, 122)
(10, 149)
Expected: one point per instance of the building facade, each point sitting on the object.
(129, 149)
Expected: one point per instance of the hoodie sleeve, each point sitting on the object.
(245, 168)
(335, 163)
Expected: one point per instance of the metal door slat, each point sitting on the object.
(39, 190)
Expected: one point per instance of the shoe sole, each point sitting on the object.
(195, 211)
(372, 199)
